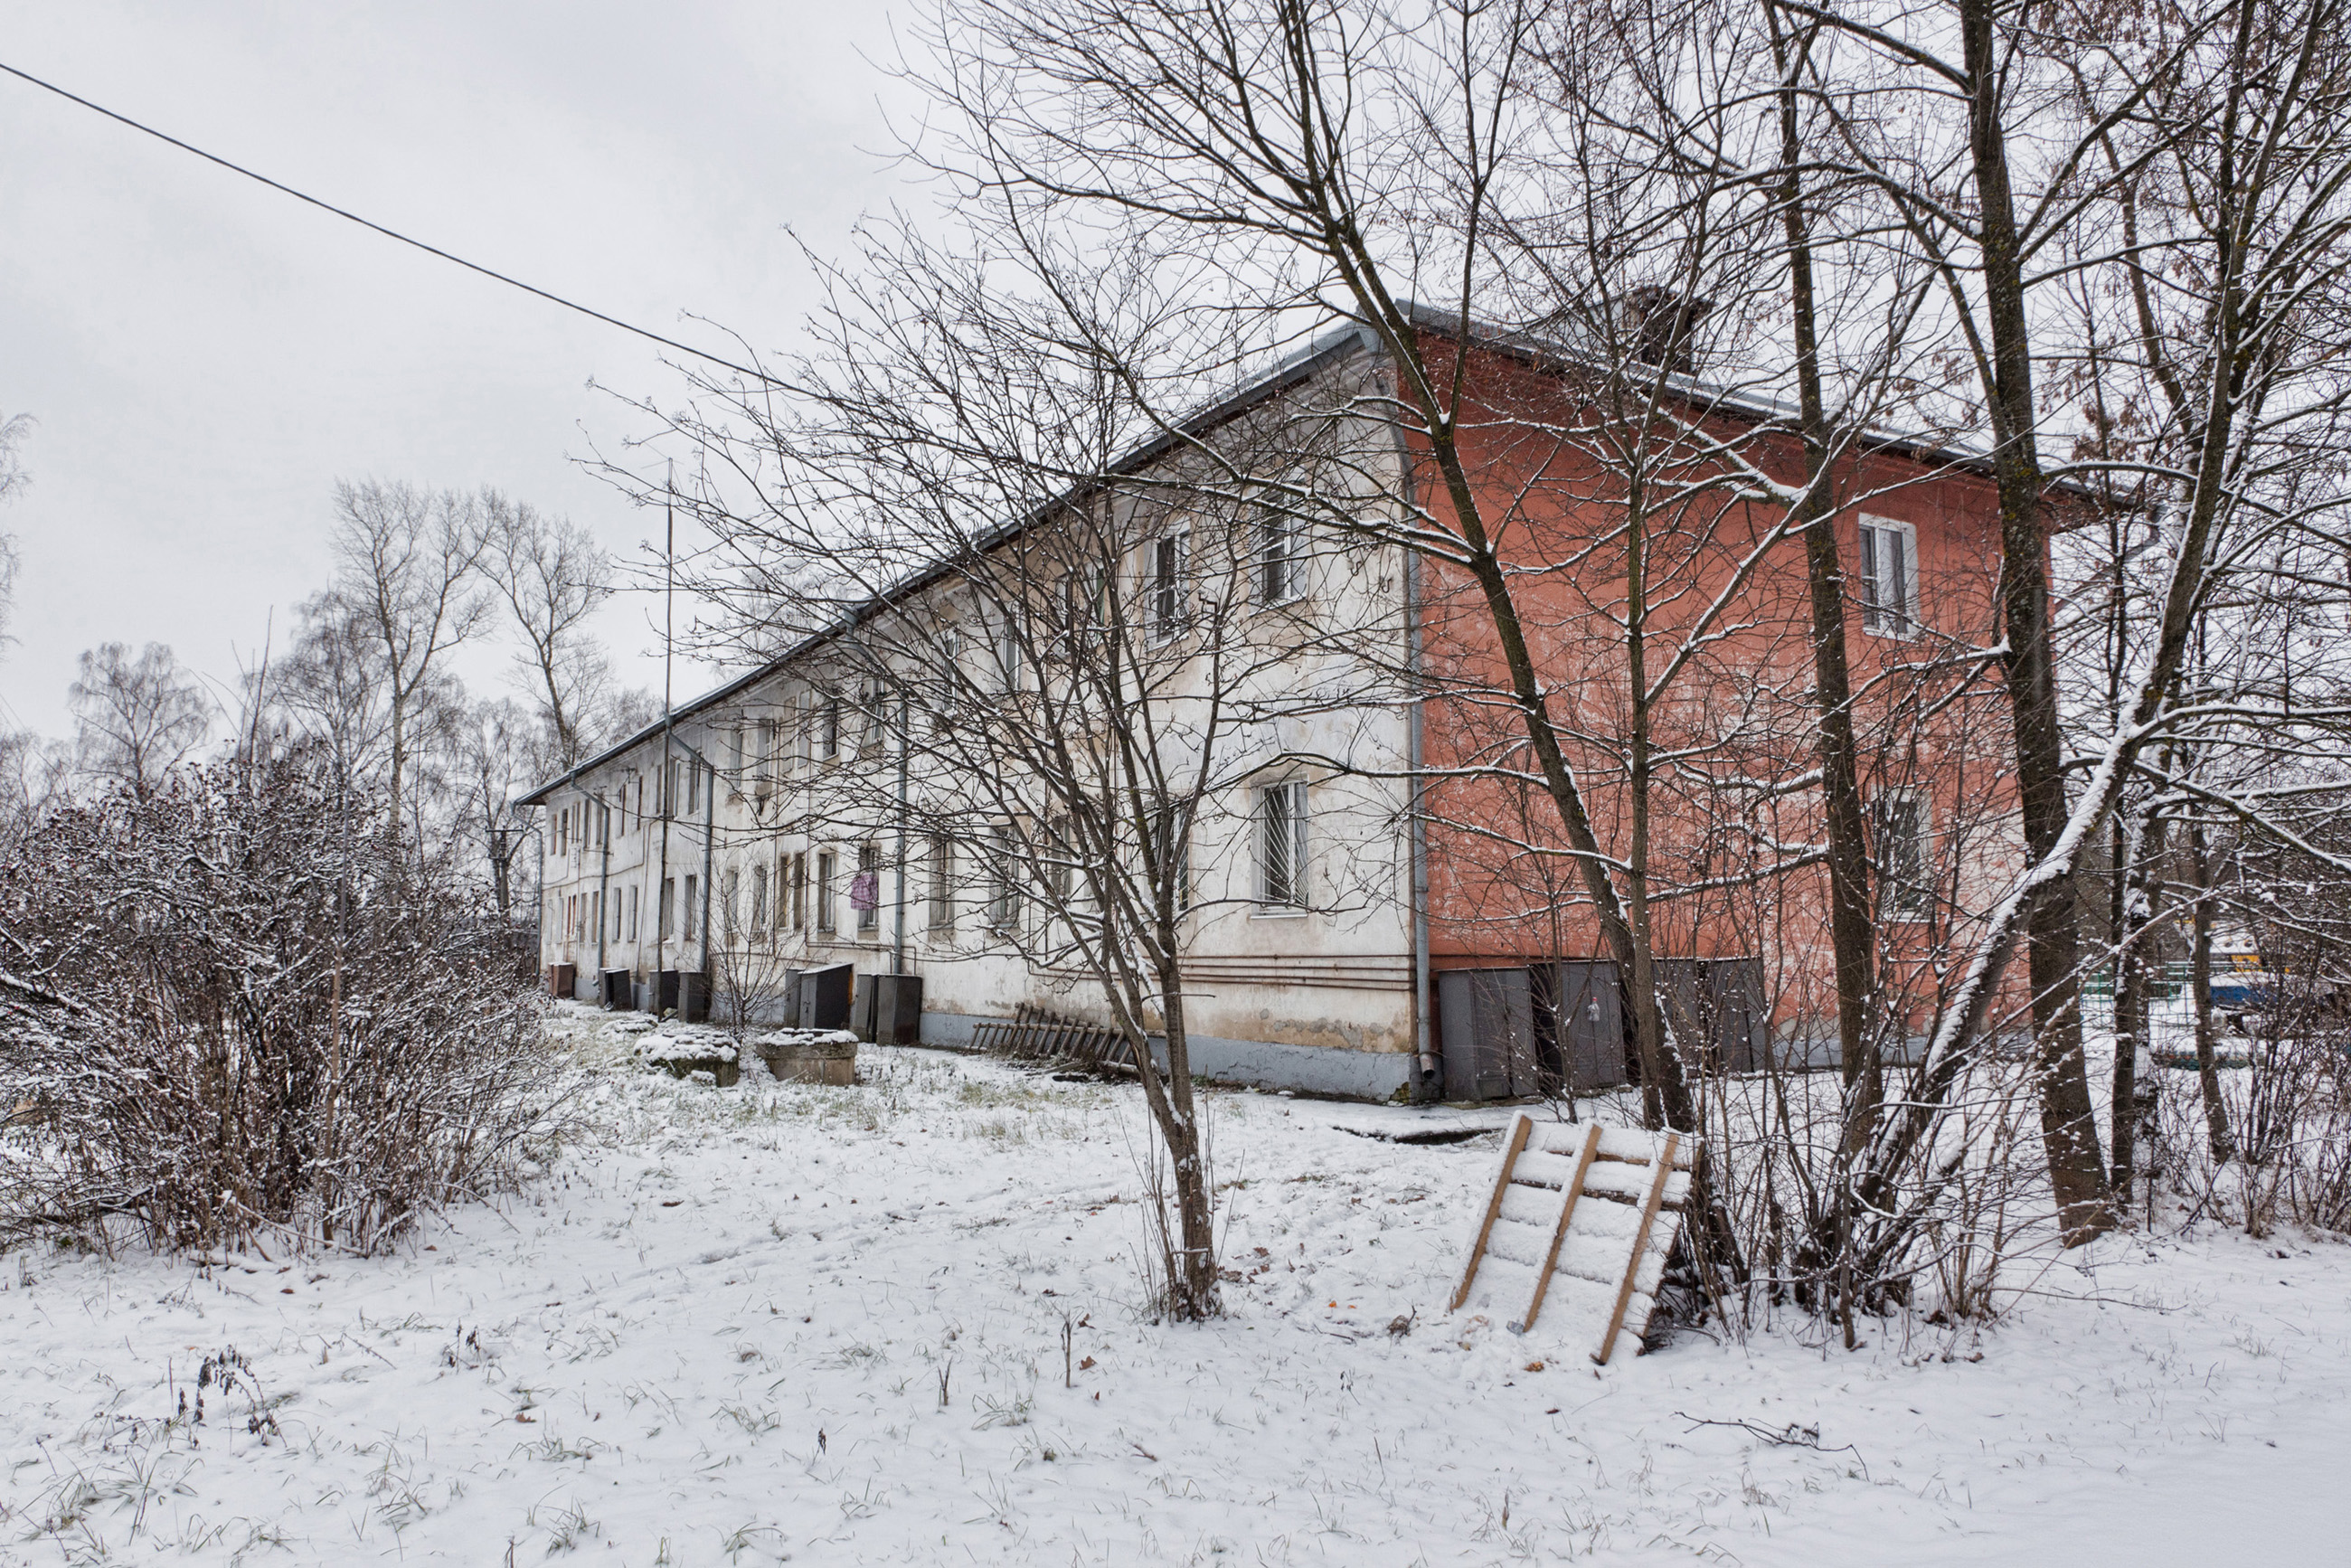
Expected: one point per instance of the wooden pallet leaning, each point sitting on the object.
(1032, 1034)
(1541, 1208)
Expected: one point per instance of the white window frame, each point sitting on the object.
(1008, 661)
(1277, 528)
(940, 875)
(868, 863)
(1879, 618)
(1280, 823)
(950, 674)
(1004, 883)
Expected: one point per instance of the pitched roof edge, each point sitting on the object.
(1326, 348)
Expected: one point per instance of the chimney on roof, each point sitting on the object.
(1662, 324)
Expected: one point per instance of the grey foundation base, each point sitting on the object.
(1307, 1069)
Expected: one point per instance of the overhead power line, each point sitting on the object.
(388, 233)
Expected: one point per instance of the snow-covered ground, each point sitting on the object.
(826, 1325)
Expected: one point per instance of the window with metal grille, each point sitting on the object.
(1167, 597)
(1904, 880)
(825, 922)
(1281, 845)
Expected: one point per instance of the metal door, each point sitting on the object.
(1590, 1024)
(1486, 1020)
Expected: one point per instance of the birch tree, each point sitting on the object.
(552, 577)
(407, 570)
(135, 719)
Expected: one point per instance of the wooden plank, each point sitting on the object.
(1633, 1146)
(1536, 1168)
(1664, 1168)
(1559, 1231)
(1520, 1126)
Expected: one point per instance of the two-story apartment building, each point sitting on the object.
(1349, 930)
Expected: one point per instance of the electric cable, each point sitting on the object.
(389, 233)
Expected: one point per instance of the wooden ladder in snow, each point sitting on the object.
(1541, 1241)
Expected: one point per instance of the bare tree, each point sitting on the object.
(328, 687)
(13, 482)
(553, 577)
(2199, 170)
(407, 563)
(1053, 648)
(135, 719)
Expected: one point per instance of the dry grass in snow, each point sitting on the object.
(826, 1325)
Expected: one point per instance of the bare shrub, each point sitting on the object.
(230, 1006)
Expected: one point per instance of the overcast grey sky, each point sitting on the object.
(205, 356)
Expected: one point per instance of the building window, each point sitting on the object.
(1166, 822)
(1064, 863)
(1889, 577)
(692, 906)
(1008, 661)
(941, 868)
(1277, 571)
(570, 915)
(668, 908)
(866, 891)
(603, 826)
(1905, 883)
(1281, 845)
(599, 900)
(563, 830)
(1168, 585)
(729, 890)
(1004, 894)
(692, 789)
(832, 728)
(764, 779)
(759, 900)
(799, 892)
(630, 904)
(950, 676)
(824, 869)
